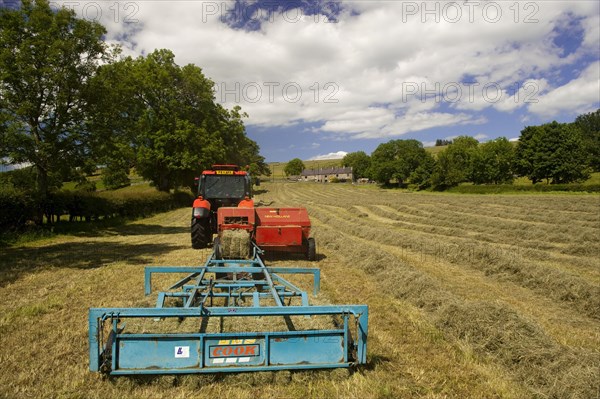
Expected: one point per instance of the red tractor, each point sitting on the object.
(223, 185)
(225, 207)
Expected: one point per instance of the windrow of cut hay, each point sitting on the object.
(552, 240)
(501, 261)
(491, 330)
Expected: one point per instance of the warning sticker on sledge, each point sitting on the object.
(182, 351)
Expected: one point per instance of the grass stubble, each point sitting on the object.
(470, 296)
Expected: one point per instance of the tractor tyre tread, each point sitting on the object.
(200, 234)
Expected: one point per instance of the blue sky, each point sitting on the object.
(325, 77)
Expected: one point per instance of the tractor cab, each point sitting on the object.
(224, 185)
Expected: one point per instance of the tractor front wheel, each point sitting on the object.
(201, 234)
(311, 250)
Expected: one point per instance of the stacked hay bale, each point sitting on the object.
(235, 244)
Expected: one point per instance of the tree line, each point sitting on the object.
(553, 153)
(69, 102)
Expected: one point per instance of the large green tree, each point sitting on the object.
(589, 125)
(163, 119)
(180, 129)
(294, 167)
(455, 163)
(421, 176)
(47, 59)
(115, 109)
(360, 163)
(397, 160)
(554, 152)
(493, 162)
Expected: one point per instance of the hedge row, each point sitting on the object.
(16, 209)
(507, 188)
(19, 208)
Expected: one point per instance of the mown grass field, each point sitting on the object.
(471, 296)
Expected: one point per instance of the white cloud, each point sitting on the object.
(359, 121)
(413, 122)
(356, 77)
(331, 155)
(592, 32)
(578, 96)
(493, 95)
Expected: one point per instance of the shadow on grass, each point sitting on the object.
(131, 230)
(167, 381)
(96, 228)
(16, 262)
(373, 361)
(271, 256)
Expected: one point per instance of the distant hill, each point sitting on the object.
(277, 167)
(435, 150)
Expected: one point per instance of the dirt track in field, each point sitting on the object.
(470, 296)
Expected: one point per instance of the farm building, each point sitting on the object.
(325, 175)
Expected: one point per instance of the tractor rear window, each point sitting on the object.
(224, 186)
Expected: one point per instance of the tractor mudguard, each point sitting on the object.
(201, 208)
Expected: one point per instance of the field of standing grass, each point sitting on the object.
(478, 296)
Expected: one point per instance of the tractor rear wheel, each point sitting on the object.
(201, 234)
(311, 250)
